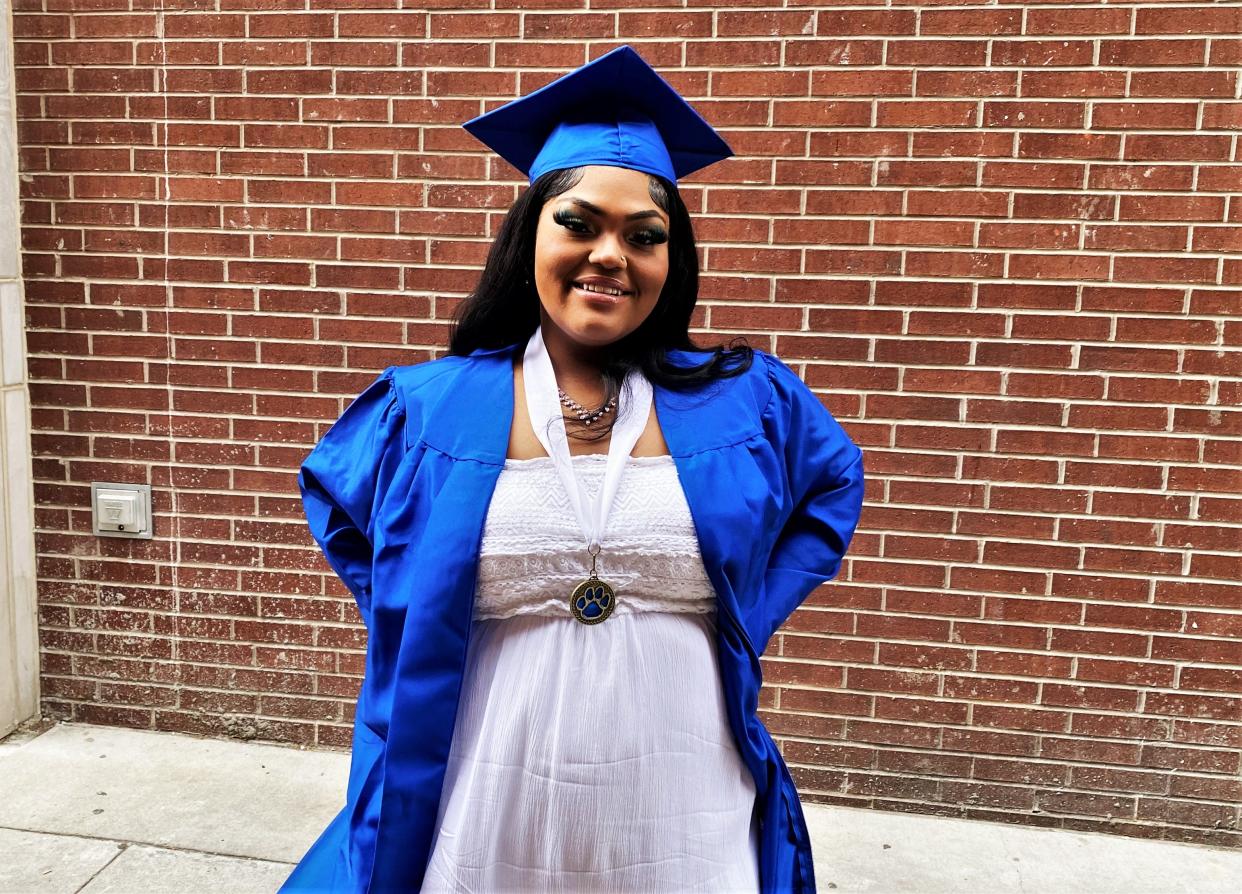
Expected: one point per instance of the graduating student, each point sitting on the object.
(572, 538)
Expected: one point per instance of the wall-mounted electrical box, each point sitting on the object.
(121, 510)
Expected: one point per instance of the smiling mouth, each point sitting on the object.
(608, 291)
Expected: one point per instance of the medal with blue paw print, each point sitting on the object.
(592, 600)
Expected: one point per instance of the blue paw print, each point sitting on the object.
(593, 602)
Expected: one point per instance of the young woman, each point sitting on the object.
(572, 538)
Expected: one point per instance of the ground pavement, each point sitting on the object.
(96, 809)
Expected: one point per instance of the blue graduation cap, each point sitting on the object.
(615, 110)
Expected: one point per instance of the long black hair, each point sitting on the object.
(503, 309)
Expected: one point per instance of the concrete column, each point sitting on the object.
(19, 629)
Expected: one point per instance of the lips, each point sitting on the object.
(599, 299)
(601, 288)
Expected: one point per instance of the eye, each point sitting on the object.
(652, 236)
(569, 221)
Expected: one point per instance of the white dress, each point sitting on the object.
(593, 757)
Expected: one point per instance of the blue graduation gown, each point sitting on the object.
(396, 494)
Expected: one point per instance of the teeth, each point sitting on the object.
(591, 287)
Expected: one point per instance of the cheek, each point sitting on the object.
(553, 260)
(656, 272)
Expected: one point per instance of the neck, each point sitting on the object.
(577, 366)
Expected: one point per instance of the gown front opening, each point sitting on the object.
(593, 757)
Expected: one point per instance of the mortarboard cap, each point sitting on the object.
(615, 110)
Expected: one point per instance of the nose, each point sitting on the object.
(608, 252)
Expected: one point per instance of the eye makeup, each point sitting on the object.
(652, 235)
(566, 219)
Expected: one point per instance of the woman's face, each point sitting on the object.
(601, 236)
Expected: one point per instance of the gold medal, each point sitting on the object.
(593, 600)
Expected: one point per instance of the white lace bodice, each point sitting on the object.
(533, 552)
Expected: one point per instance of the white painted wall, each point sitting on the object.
(19, 631)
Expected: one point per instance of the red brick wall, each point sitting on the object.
(1004, 242)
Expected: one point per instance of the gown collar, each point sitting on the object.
(472, 419)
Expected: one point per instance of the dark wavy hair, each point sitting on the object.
(503, 309)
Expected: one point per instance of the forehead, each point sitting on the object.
(615, 190)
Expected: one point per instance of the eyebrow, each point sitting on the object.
(595, 209)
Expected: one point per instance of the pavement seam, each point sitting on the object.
(121, 847)
(124, 845)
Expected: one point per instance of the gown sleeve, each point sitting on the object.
(824, 473)
(344, 479)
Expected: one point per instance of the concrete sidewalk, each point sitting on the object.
(98, 809)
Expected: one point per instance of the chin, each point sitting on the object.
(597, 336)
(595, 333)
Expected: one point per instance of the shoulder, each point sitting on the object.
(792, 408)
(418, 376)
(433, 377)
(799, 419)
(447, 394)
(771, 370)
(753, 385)
(785, 385)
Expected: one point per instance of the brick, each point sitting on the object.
(1180, 84)
(1191, 705)
(1093, 697)
(860, 83)
(578, 26)
(1063, 205)
(851, 51)
(918, 52)
(1030, 54)
(1075, 84)
(1020, 412)
(765, 23)
(1032, 720)
(1140, 52)
(1202, 20)
(1196, 593)
(1099, 587)
(963, 22)
(1134, 238)
(1078, 21)
(1137, 673)
(1071, 802)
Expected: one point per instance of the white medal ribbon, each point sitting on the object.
(543, 403)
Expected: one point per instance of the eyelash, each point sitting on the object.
(565, 219)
